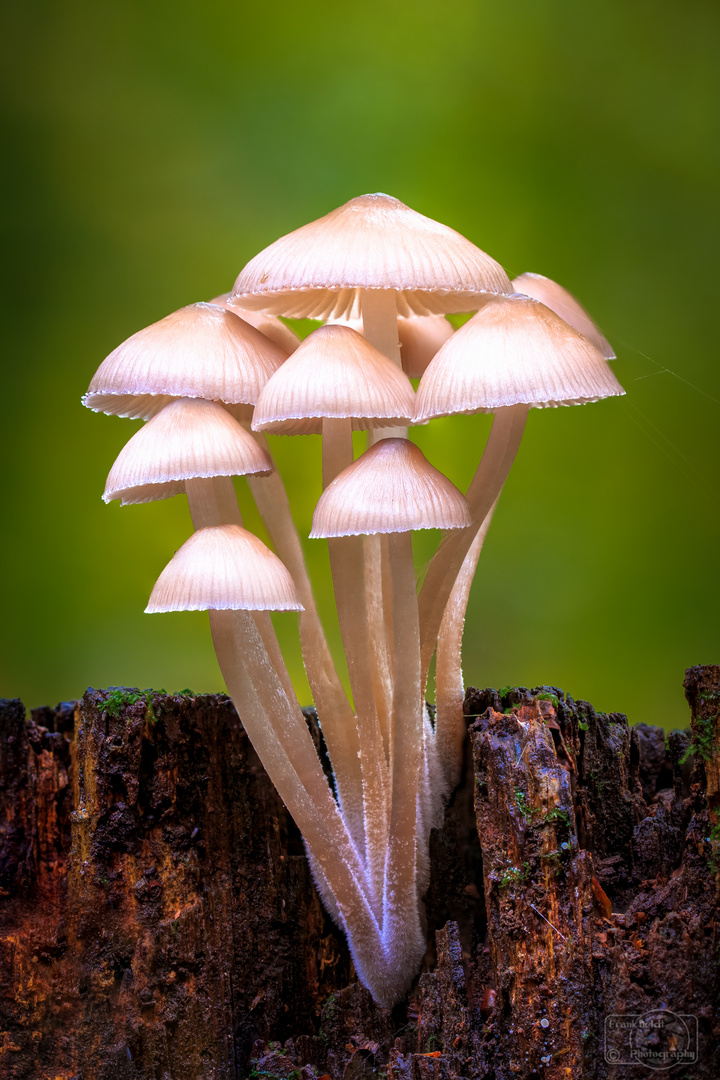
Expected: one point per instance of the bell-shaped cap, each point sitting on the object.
(189, 438)
(565, 305)
(269, 325)
(201, 351)
(420, 338)
(222, 567)
(392, 487)
(372, 242)
(334, 374)
(513, 351)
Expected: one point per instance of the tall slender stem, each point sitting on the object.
(240, 654)
(431, 801)
(346, 563)
(502, 446)
(449, 688)
(334, 858)
(379, 614)
(212, 501)
(272, 502)
(380, 327)
(335, 713)
(379, 315)
(402, 931)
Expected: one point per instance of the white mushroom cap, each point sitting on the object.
(372, 242)
(392, 487)
(269, 325)
(420, 338)
(513, 351)
(202, 351)
(222, 567)
(189, 438)
(565, 305)
(335, 373)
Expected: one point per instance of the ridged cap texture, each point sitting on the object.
(202, 350)
(392, 487)
(335, 373)
(371, 242)
(189, 438)
(513, 351)
(224, 567)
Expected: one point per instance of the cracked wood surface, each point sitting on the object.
(158, 920)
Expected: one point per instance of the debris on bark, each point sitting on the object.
(158, 919)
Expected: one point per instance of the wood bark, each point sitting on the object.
(158, 919)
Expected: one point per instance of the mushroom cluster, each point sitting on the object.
(210, 380)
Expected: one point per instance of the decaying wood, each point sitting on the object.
(158, 920)
(175, 921)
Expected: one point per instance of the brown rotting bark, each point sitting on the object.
(158, 919)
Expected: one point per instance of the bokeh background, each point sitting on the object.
(152, 148)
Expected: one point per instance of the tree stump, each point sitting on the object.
(158, 919)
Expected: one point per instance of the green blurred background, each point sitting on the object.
(152, 148)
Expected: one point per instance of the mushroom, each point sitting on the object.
(195, 377)
(372, 258)
(226, 568)
(514, 354)
(194, 444)
(231, 573)
(205, 351)
(392, 489)
(565, 305)
(374, 245)
(202, 351)
(189, 438)
(334, 374)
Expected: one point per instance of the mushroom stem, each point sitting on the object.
(348, 573)
(212, 501)
(502, 446)
(380, 327)
(289, 757)
(449, 688)
(263, 621)
(335, 713)
(246, 644)
(431, 801)
(379, 616)
(402, 931)
(286, 718)
(272, 502)
(379, 316)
